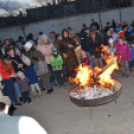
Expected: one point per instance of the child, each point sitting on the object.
(124, 55)
(56, 63)
(84, 59)
(32, 76)
(111, 47)
(24, 87)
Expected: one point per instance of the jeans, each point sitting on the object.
(52, 77)
(64, 69)
(17, 90)
(91, 60)
(9, 90)
(26, 96)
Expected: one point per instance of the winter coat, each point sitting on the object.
(123, 52)
(23, 84)
(94, 48)
(22, 51)
(57, 45)
(132, 53)
(105, 40)
(56, 61)
(17, 60)
(127, 35)
(34, 55)
(46, 51)
(84, 42)
(96, 25)
(85, 61)
(4, 73)
(31, 74)
(130, 30)
(71, 61)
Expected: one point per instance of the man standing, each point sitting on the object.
(17, 124)
(85, 46)
(94, 48)
(94, 24)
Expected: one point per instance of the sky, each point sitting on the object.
(19, 5)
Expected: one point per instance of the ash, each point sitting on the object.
(95, 92)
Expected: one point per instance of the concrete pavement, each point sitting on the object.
(58, 115)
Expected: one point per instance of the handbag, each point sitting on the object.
(41, 67)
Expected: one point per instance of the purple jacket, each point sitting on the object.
(85, 61)
(123, 52)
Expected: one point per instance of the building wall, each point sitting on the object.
(74, 21)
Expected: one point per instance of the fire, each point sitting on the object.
(87, 76)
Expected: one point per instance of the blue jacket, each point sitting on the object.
(31, 74)
(129, 30)
(132, 53)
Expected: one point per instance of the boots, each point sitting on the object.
(50, 91)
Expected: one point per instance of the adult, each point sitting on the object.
(51, 36)
(105, 39)
(83, 29)
(58, 38)
(17, 124)
(7, 73)
(127, 33)
(21, 48)
(94, 48)
(21, 39)
(113, 34)
(94, 24)
(67, 46)
(108, 26)
(85, 47)
(17, 64)
(46, 49)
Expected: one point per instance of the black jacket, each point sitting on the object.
(94, 48)
(127, 35)
(84, 42)
(15, 61)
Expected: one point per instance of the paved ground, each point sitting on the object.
(58, 115)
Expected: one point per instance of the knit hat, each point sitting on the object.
(44, 36)
(83, 53)
(20, 74)
(54, 49)
(119, 25)
(28, 45)
(111, 40)
(26, 59)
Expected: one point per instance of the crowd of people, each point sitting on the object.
(29, 67)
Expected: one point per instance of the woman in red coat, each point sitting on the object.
(7, 73)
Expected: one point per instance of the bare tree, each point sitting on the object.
(12, 12)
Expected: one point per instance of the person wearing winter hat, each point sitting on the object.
(85, 58)
(30, 73)
(56, 63)
(111, 47)
(24, 87)
(45, 47)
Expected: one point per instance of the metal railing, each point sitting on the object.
(64, 10)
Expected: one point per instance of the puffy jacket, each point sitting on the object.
(4, 73)
(123, 52)
(56, 61)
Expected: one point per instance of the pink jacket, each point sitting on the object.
(123, 52)
(46, 51)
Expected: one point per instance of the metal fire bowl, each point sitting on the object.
(94, 102)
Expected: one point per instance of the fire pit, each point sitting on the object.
(95, 95)
(95, 87)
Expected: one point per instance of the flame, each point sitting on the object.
(85, 74)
